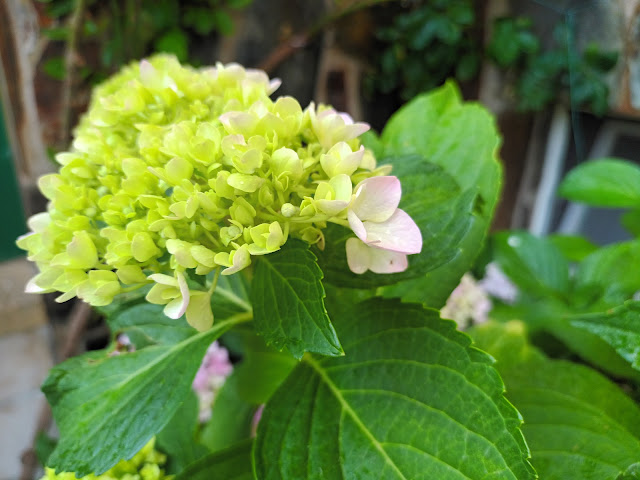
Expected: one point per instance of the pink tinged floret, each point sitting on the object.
(361, 257)
(374, 217)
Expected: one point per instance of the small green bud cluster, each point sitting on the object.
(145, 465)
(177, 172)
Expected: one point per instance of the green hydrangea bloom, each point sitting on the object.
(145, 465)
(176, 170)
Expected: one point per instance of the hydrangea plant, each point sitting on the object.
(191, 195)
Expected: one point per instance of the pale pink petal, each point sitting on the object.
(356, 225)
(398, 234)
(357, 255)
(386, 261)
(377, 198)
(361, 257)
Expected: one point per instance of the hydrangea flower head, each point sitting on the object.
(177, 173)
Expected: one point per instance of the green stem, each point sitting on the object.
(214, 283)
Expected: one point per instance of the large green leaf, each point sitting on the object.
(410, 400)
(288, 302)
(459, 137)
(444, 153)
(608, 182)
(233, 463)
(578, 424)
(108, 407)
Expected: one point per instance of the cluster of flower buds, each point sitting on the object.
(175, 173)
(145, 465)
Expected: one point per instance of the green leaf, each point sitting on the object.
(573, 247)
(619, 327)
(177, 438)
(607, 182)
(175, 41)
(459, 137)
(233, 463)
(55, 68)
(145, 324)
(199, 18)
(577, 423)
(288, 302)
(108, 407)
(55, 33)
(533, 264)
(613, 270)
(631, 222)
(43, 447)
(231, 417)
(406, 400)
(223, 22)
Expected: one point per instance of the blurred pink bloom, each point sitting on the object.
(213, 372)
(498, 285)
(468, 303)
(387, 234)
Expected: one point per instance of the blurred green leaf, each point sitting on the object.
(574, 248)
(55, 33)
(606, 182)
(54, 67)
(174, 41)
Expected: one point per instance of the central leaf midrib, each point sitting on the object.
(347, 408)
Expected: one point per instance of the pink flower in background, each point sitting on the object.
(386, 234)
(498, 285)
(256, 420)
(468, 304)
(213, 372)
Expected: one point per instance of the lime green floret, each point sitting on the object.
(176, 171)
(145, 465)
